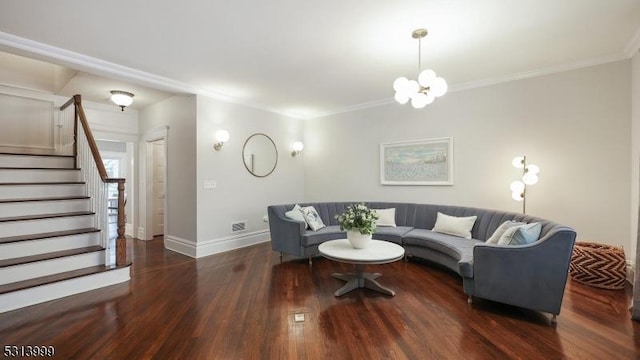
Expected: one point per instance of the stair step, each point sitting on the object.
(16, 174)
(29, 267)
(36, 244)
(45, 216)
(36, 160)
(52, 198)
(43, 223)
(48, 256)
(52, 234)
(34, 291)
(54, 278)
(17, 190)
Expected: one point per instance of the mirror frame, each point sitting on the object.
(274, 147)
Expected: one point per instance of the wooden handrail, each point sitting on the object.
(121, 243)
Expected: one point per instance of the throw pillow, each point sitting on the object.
(386, 217)
(452, 225)
(296, 214)
(312, 218)
(521, 234)
(501, 229)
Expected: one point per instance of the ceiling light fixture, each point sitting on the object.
(426, 89)
(121, 98)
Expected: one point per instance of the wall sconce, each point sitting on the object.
(222, 136)
(121, 98)
(529, 177)
(297, 147)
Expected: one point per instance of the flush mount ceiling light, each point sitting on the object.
(426, 89)
(121, 98)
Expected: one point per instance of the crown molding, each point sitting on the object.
(30, 48)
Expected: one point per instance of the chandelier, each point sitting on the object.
(426, 89)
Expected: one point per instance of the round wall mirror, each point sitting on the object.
(260, 155)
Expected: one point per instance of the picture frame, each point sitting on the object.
(419, 162)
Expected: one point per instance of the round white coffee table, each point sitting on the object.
(377, 252)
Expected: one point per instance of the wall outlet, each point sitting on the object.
(210, 184)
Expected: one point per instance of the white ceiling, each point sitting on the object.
(309, 58)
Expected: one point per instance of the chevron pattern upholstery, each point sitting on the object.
(598, 265)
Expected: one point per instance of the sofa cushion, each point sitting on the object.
(452, 225)
(386, 217)
(331, 232)
(456, 247)
(312, 218)
(392, 234)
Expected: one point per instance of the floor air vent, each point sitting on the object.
(239, 226)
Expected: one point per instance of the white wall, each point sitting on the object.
(179, 114)
(240, 195)
(575, 125)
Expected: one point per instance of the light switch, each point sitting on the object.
(210, 184)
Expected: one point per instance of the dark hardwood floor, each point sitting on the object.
(241, 305)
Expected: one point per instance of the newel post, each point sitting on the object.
(121, 241)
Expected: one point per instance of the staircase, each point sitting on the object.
(50, 243)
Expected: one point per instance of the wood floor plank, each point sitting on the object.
(242, 304)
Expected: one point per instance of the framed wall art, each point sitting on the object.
(420, 162)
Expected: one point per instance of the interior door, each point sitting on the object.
(159, 164)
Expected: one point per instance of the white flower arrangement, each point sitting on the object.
(358, 217)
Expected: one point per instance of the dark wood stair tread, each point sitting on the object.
(49, 256)
(46, 216)
(47, 235)
(53, 198)
(44, 183)
(36, 168)
(50, 279)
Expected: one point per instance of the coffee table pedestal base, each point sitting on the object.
(360, 279)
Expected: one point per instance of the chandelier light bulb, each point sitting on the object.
(419, 100)
(412, 88)
(426, 77)
(400, 85)
(401, 98)
(439, 87)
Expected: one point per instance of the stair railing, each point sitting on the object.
(88, 159)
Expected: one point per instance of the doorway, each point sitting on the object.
(154, 211)
(158, 186)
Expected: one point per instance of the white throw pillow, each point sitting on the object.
(501, 230)
(386, 217)
(296, 214)
(452, 225)
(312, 218)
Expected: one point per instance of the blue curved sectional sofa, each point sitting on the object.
(531, 276)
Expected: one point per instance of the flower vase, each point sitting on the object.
(358, 240)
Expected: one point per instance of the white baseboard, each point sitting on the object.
(141, 234)
(128, 229)
(215, 246)
(631, 272)
(181, 246)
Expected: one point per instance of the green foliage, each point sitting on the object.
(358, 217)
